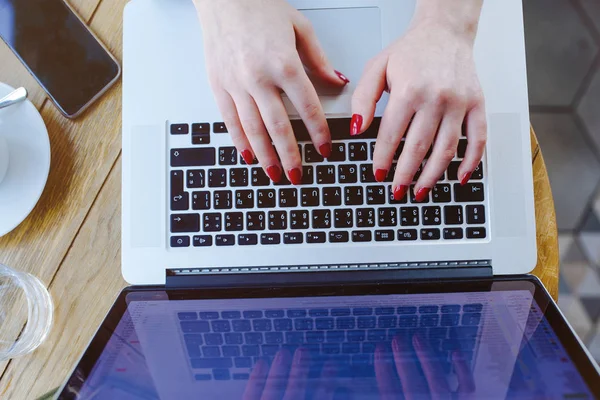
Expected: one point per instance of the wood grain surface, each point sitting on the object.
(71, 240)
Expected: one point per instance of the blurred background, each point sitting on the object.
(563, 60)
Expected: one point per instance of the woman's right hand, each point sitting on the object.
(254, 51)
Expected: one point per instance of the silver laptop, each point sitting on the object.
(193, 208)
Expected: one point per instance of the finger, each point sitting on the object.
(277, 378)
(296, 387)
(466, 382)
(279, 127)
(256, 382)
(476, 129)
(387, 381)
(438, 384)
(395, 120)
(257, 135)
(367, 93)
(303, 96)
(420, 134)
(444, 150)
(234, 126)
(413, 382)
(326, 388)
(312, 54)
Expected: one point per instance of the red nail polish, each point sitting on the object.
(356, 124)
(248, 157)
(295, 175)
(342, 77)
(325, 150)
(400, 192)
(380, 175)
(465, 178)
(274, 173)
(422, 194)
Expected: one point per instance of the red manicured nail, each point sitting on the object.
(356, 124)
(325, 150)
(400, 192)
(295, 175)
(465, 178)
(274, 172)
(248, 157)
(380, 175)
(422, 194)
(342, 77)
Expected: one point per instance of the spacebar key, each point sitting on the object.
(193, 157)
(211, 363)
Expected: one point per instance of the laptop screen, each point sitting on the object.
(501, 340)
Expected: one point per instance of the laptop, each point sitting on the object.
(192, 207)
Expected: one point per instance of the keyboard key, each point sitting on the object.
(478, 172)
(225, 240)
(453, 215)
(335, 336)
(429, 320)
(187, 316)
(310, 197)
(284, 324)
(231, 315)
(384, 311)
(473, 307)
(202, 128)
(234, 221)
(180, 202)
(244, 199)
(343, 218)
(194, 326)
(450, 319)
(375, 194)
(293, 238)
(431, 215)
(288, 197)
(201, 200)
(308, 177)
(262, 325)
(347, 173)
(241, 325)
(213, 339)
(181, 223)
(274, 313)
(366, 173)
(345, 323)
(231, 351)
(193, 157)
(303, 324)
(462, 148)
(213, 362)
(259, 178)
(362, 236)
(471, 319)
(338, 152)
(429, 309)
(316, 237)
(180, 241)
(387, 216)
(332, 196)
(202, 241)
(176, 182)
(273, 337)
(299, 219)
(392, 200)
(356, 336)
(255, 221)
(453, 170)
(269, 350)
(200, 139)
(453, 233)
(270, 238)
(441, 193)
(195, 178)
(294, 337)
(331, 348)
(414, 200)
(318, 312)
(409, 216)
(243, 362)
(475, 214)
(217, 178)
(476, 233)
(340, 312)
(311, 155)
(387, 321)
(384, 236)
(365, 217)
(250, 350)
(277, 220)
(324, 323)
(266, 198)
(211, 351)
(227, 155)
(430, 234)
(219, 127)
(358, 151)
(249, 239)
(325, 174)
(211, 222)
(223, 199)
(407, 234)
(450, 308)
(180, 129)
(338, 237)
(406, 310)
(238, 177)
(470, 192)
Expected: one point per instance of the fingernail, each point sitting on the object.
(299, 357)
(325, 150)
(395, 345)
(380, 175)
(342, 77)
(248, 157)
(400, 192)
(274, 173)
(356, 124)
(422, 194)
(465, 178)
(295, 175)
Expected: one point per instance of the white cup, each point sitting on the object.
(3, 154)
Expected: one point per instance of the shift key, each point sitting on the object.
(193, 157)
(182, 223)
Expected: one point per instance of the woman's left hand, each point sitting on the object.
(434, 89)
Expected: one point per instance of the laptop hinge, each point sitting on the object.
(319, 275)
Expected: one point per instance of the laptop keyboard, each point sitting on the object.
(216, 199)
(225, 345)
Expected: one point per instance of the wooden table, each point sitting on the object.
(72, 239)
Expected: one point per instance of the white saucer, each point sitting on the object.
(28, 161)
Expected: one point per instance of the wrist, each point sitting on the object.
(460, 19)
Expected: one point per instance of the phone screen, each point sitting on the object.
(58, 49)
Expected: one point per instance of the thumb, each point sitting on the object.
(312, 55)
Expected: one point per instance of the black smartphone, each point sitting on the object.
(59, 50)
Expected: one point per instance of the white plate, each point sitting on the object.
(28, 161)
